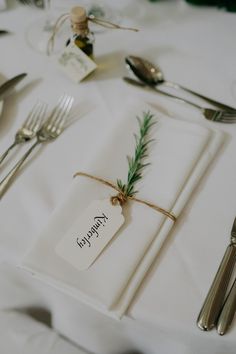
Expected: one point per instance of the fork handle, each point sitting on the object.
(210, 100)
(228, 311)
(4, 184)
(4, 155)
(164, 93)
(209, 313)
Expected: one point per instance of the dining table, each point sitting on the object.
(195, 47)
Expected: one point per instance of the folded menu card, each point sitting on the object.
(178, 156)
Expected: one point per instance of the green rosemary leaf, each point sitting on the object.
(135, 163)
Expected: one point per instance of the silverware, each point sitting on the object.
(227, 314)
(152, 75)
(29, 127)
(7, 86)
(210, 114)
(37, 3)
(3, 32)
(209, 313)
(49, 131)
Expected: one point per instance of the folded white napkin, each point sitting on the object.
(179, 156)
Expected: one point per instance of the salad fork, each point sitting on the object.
(49, 131)
(221, 116)
(29, 128)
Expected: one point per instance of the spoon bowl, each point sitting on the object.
(145, 70)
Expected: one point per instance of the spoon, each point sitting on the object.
(152, 75)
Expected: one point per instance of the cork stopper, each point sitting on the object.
(78, 14)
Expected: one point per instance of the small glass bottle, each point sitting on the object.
(82, 37)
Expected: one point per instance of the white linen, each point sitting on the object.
(179, 157)
(162, 318)
(20, 333)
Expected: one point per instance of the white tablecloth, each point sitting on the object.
(22, 334)
(195, 47)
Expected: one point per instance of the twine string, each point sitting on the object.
(108, 24)
(59, 23)
(121, 198)
(81, 26)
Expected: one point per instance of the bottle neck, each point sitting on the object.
(80, 28)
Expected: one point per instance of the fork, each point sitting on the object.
(37, 3)
(49, 131)
(29, 128)
(213, 115)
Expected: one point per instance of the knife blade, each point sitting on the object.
(213, 303)
(7, 86)
(3, 32)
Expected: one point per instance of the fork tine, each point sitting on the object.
(227, 119)
(57, 109)
(58, 119)
(38, 116)
(31, 115)
(63, 116)
(229, 113)
(39, 119)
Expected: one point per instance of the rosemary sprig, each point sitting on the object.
(135, 163)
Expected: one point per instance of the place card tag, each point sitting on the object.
(90, 233)
(75, 63)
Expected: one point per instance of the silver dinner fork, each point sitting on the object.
(221, 116)
(29, 128)
(49, 131)
(37, 3)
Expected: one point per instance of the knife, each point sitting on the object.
(2, 32)
(213, 303)
(6, 88)
(228, 311)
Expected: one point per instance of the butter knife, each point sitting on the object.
(213, 303)
(228, 311)
(7, 86)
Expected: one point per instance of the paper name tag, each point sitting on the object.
(75, 63)
(90, 233)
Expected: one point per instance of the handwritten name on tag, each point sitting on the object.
(90, 233)
(75, 63)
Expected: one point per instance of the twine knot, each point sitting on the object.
(119, 198)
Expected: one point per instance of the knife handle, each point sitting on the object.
(228, 311)
(209, 313)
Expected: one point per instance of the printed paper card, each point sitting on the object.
(90, 233)
(75, 63)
